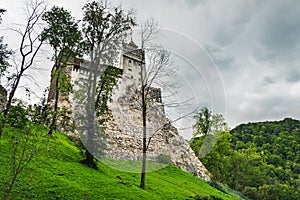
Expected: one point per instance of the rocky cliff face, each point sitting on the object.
(124, 133)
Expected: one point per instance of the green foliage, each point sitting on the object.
(203, 121)
(40, 113)
(206, 197)
(55, 173)
(17, 116)
(63, 34)
(64, 85)
(259, 159)
(207, 123)
(107, 82)
(105, 28)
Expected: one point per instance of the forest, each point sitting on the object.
(261, 159)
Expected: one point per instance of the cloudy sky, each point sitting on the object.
(240, 58)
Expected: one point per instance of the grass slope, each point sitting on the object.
(55, 173)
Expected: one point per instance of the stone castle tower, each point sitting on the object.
(124, 130)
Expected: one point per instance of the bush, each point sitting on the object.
(202, 197)
(164, 159)
(206, 197)
(17, 117)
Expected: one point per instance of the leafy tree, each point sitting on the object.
(217, 159)
(104, 30)
(208, 125)
(65, 38)
(203, 122)
(17, 117)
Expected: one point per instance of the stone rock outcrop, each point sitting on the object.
(124, 133)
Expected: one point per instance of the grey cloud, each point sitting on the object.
(225, 63)
(293, 76)
(273, 107)
(254, 43)
(281, 29)
(268, 80)
(212, 49)
(278, 32)
(222, 60)
(194, 2)
(233, 21)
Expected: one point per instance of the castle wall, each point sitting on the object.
(124, 131)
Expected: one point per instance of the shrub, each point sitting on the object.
(164, 159)
(202, 197)
(17, 117)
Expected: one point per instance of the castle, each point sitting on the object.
(124, 130)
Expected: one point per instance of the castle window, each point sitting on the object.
(129, 69)
(129, 61)
(76, 68)
(76, 64)
(131, 77)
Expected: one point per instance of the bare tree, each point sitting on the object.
(158, 69)
(158, 75)
(29, 47)
(148, 32)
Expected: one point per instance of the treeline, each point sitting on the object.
(261, 160)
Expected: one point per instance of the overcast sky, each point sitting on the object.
(239, 57)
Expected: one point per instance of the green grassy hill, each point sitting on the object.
(55, 173)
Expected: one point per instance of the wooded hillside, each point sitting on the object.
(262, 160)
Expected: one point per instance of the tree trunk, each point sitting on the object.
(53, 125)
(11, 185)
(143, 175)
(144, 113)
(89, 158)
